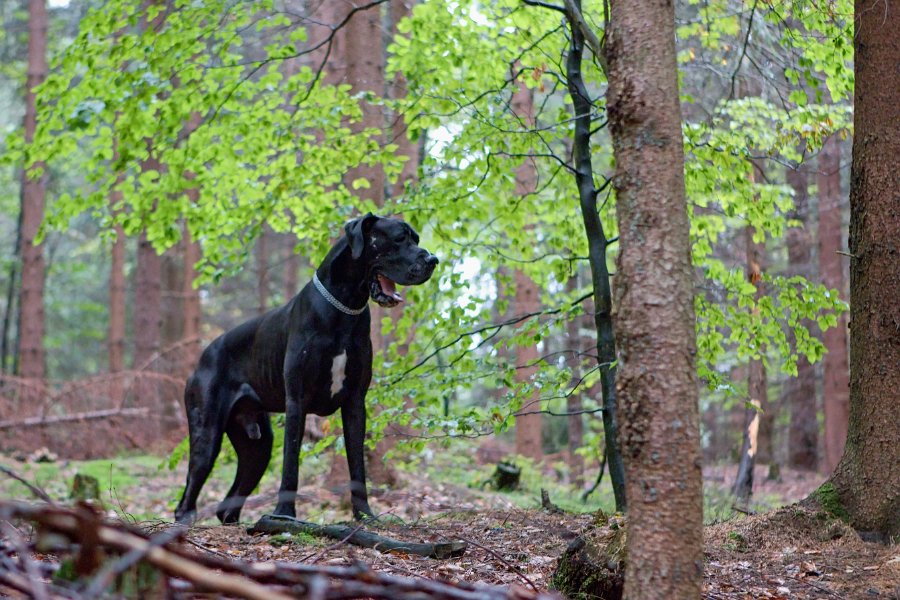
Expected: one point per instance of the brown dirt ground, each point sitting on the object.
(790, 553)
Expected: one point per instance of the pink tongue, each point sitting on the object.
(389, 289)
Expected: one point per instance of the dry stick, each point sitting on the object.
(38, 492)
(84, 416)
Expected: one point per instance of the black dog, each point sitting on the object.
(313, 355)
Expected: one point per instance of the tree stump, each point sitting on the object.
(506, 477)
(85, 488)
(593, 566)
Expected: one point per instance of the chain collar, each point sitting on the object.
(334, 301)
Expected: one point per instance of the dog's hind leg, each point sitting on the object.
(251, 437)
(205, 444)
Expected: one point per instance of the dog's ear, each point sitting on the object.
(356, 233)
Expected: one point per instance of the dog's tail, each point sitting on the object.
(193, 405)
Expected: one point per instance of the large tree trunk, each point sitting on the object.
(399, 10)
(836, 384)
(365, 73)
(659, 432)
(867, 479)
(31, 299)
(527, 299)
(800, 392)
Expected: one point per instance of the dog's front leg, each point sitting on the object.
(294, 422)
(354, 420)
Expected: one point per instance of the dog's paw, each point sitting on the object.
(285, 510)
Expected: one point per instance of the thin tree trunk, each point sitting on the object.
(836, 384)
(527, 299)
(867, 479)
(291, 266)
(147, 305)
(574, 405)
(800, 392)
(116, 334)
(192, 307)
(597, 244)
(171, 298)
(262, 271)
(757, 390)
(655, 322)
(31, 300)
(10, 313)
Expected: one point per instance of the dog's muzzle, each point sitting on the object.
(383, 289)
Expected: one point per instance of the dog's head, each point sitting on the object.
(390, 249)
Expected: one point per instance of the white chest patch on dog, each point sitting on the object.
(337, 372)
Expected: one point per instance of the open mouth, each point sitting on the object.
(384, 291)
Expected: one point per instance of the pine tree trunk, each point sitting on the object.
(867, 479)
(659, 433)
(399, 10)
(363, 40)
(836, 384)
(527, 300)
(31, 299)
(147, 305)
(192, 307)
(800, 392)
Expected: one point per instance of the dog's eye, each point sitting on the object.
(400, 238)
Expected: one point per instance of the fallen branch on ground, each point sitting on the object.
(276, 524)
(111, 546)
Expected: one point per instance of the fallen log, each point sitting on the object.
(272, 524)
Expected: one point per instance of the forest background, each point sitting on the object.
(232, 140)
(196, 161)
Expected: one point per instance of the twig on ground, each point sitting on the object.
(509, 565)
(38, 492)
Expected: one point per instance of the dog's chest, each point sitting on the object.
(338, 373)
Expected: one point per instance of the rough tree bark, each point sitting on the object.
(527, 298)
(867, 479)
(836, 384)
(800, 392)
(657, 379)
(31, 360)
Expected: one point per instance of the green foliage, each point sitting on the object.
(202, 102)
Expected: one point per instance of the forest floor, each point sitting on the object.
(788, 552)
